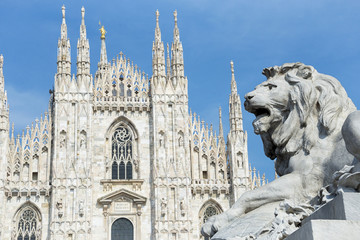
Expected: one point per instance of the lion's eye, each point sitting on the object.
(271, 86)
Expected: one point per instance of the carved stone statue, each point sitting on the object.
(161, 139)
(182, 207)
(82, 140)
(299, 115)
(163, 205)
(59, 206)
(103, 32)
(81, 208)
(62, 140)
(181, 141)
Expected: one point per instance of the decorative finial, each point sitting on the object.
(219, 112)
(63, 11)
(103, 32)
(1, 60)
(232, 66)
(175, 16)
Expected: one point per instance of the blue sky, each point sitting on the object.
(254, 34)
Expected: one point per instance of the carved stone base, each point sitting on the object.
(327, 229)
(337, 219)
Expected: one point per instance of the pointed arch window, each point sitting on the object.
(122, 153)
(209, 212)
(209, 209)
(28, 225)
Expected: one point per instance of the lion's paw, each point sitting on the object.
(213, 224)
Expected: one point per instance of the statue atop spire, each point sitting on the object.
(82, 15)
(157, 17)
(83, 56)
(103, 54)
(103, 32)
(158, 58)
(175, 17)
(63, 13)
(63, 24)
(177, 61)
(63, 58)
(157, 29)
(176, 29)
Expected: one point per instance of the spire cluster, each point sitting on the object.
(63, 80)
(173, 74)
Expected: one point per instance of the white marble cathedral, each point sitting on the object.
(118, 155)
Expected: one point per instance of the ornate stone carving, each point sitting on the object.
(299, 114)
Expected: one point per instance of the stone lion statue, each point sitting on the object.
(299, 115)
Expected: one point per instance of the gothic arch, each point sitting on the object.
(122, 164)
(27, 222)
(208, 209)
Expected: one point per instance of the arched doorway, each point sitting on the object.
(122, 229)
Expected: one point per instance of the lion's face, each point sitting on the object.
(269, 103)
(294, 108)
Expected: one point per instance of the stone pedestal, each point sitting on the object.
(338, 219)
(327, 230)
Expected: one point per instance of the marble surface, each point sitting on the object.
(299, 114)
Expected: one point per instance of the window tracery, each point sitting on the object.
(28, 225)
(209, 212)
(122, 153)
(209, 209)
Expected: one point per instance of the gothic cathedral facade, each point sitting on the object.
(119, 155)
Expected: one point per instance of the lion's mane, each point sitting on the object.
(318, 106)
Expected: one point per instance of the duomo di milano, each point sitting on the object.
(119, 155)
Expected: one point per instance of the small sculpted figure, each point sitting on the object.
(299, 114)
(62, 141)
(163, 205)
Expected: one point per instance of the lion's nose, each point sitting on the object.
(248, 96)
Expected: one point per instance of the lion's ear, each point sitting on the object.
(305, 72)
(266, 72)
